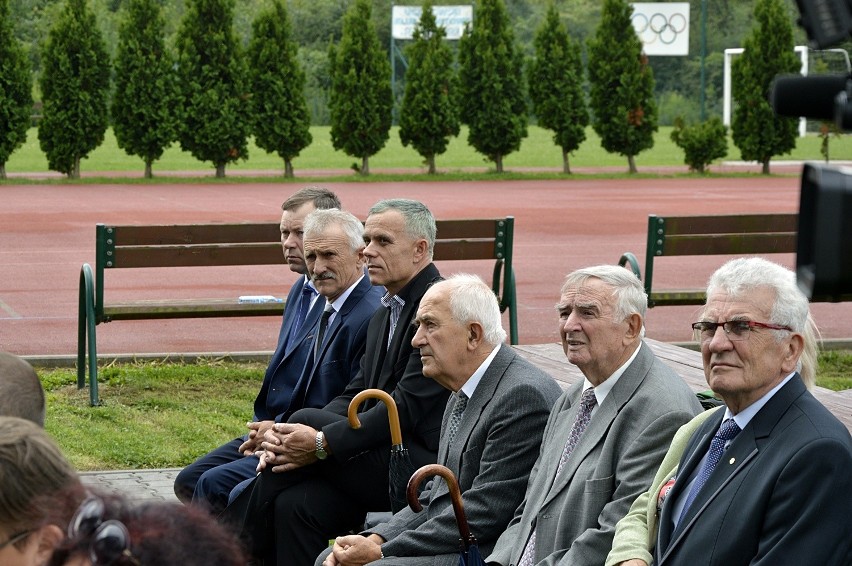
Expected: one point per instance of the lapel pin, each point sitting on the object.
(732, 460)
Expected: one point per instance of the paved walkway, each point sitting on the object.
(136, 484)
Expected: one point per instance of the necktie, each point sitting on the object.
(304, 302)
(584, 415)
(323, 325)
(728, 431)
(456, 417)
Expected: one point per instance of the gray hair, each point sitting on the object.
(320, 196)
(472, 300)
(739, 276)
(419, 221)
(319, 221)
(630, 297)
(21, 393)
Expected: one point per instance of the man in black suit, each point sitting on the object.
(769, 479)
(209, 480)
(320, 477)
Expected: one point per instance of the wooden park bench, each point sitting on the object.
(203, 245)
(729, 234)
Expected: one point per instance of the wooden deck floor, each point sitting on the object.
(687, 364)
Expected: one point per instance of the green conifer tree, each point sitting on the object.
(16, 101)
(492, 93)
(555, 79)
(144, 106)
(279, 112)
(213, 86)
(621, 85)
(756, 130)
(428, 114)
(360, 101)
(74, 87)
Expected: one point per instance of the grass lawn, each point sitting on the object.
(161, 415)
(537, 151)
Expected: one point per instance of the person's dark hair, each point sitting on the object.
(320, 196)
(31, 468)
(158, 533)
(21, 393)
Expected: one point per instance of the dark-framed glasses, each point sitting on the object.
(17, 537)
(735, 330)
(108, 541)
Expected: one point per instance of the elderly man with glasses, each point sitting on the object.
(767, 479)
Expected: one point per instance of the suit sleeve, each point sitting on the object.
(510, 436)
(508, 540)
(809, 505)
(416, 397)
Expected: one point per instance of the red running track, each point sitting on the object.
(48, 232)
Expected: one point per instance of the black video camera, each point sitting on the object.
(824, 246)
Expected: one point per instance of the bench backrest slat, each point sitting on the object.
(722, 244)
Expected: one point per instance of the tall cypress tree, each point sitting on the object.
(279, 113)
(213, 89)
(145, 103)
(621, 85)
(16, 101)
(74, 86)
(556, 86)
(492, 95)
(428, 114)
(768, 51)
(360, 100)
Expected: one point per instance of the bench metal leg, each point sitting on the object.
(86, 327)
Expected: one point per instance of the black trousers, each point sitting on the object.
(288, 518)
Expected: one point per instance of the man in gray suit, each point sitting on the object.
(605, 436)
(490, 433)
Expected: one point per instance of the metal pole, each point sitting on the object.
(703, 56)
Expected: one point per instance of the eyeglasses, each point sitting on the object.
(735, 330)
(16, 538)
(108, 541)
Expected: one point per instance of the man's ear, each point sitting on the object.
(47, 538)
(792, 352)
(475, 334)
(634, 327)
(420, 249)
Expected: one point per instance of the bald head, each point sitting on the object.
(21, 394)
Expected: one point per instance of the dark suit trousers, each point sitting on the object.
(289, 517)
(209, 480)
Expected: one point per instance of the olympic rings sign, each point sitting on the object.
(663, 28)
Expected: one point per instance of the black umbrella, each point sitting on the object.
(469, 555)
(400, 466)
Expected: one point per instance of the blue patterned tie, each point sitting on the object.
(581, 421)
(304, 302)
(728, 431)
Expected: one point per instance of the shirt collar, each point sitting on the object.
(602, 390)
(338, 302)
(744, 417)
(389, 300)
(470, 385)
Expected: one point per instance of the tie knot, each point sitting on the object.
(308, 291)
(461, 403)
(588, 400)
(728, 430)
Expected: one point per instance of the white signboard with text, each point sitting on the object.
(452, 18)
(662, 27)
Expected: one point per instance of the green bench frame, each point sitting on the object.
(198, 245)
(728, 234)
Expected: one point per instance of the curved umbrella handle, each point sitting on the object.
(455, 495)
(393, 412)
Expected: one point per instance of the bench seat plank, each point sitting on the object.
(190, 308)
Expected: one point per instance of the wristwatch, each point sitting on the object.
(321, 453)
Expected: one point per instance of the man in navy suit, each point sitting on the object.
(321, 476)
(769, 479)
(211, 478)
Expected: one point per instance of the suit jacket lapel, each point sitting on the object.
(602, 419)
